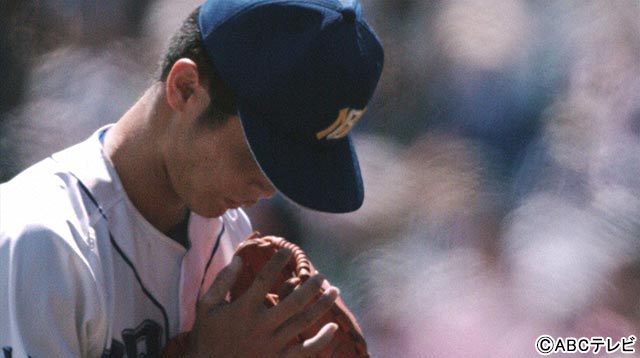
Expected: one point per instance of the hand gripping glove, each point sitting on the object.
(255, 251)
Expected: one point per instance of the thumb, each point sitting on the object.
(221, 285)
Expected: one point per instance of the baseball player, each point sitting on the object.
(114, 246)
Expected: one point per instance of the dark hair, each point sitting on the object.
(187, 43)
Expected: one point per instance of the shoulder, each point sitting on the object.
(38, 247)
(44, 250)
(48, 259)
(41, 258)
(40, 197)
(42, 217)
(50, 287)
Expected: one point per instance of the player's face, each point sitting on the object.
(213, 169)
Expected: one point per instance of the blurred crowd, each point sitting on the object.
(500, 154)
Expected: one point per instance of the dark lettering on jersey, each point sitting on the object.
(115, 351)
(7, 352)
(144, 341)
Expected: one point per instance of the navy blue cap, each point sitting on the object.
(303, 73)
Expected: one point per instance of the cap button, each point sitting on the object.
(348, 14)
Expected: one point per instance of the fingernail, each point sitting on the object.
(332, 291)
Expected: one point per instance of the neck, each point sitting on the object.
(134, 146)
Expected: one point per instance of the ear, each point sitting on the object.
(182, 82)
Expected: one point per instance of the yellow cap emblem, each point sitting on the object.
(347, 118)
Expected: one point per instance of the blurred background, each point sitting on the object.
(500, 154)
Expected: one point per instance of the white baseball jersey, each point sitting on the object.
(83, 274)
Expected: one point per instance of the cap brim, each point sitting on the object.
(324, 177)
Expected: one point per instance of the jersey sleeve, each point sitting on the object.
(50, 306)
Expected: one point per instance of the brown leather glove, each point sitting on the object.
(255, 251)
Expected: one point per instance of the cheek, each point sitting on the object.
(203, 183)
(185, 174)
(202, 196)
(207, 187)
